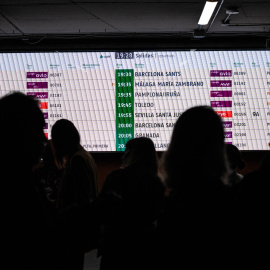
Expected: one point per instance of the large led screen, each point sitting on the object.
(114, 96)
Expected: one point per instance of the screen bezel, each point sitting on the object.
(138, 49)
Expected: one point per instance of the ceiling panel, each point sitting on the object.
(32, 2)
(253, 18)
(51, 19)
(119, 18)
(6, 28)
(137, 1)
(261, 10)
(147, 17)
(242, 22)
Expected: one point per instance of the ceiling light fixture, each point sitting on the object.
(208, 10)
(231, 11)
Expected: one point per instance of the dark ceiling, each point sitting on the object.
(131, 24)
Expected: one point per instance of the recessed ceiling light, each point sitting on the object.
(208, 10)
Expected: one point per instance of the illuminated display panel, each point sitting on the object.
(114, 96)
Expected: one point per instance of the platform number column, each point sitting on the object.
(124, 83)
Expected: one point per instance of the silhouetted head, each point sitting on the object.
(141, 151)
(196, 150)
(21, 131)
(65, 138)
(234, 157)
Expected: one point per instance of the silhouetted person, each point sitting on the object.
(132, 198)
(78, 188)
(25, 221)
(235, 162)
(253, 193)
(194, 230)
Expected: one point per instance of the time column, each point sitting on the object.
(124, 86)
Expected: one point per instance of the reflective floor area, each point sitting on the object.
(91, 262)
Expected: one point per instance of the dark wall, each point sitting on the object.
(106, 162)
(252, 160)
(133, 42)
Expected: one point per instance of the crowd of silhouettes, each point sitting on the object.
(189, 208)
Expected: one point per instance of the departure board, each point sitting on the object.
(112, 97)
